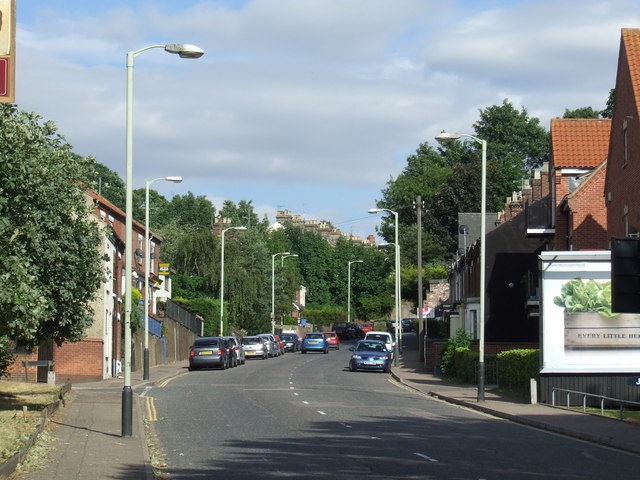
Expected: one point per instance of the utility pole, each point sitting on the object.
(422, 328)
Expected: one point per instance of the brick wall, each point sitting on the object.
(16, 371)
(588, 220)
(79, 361)
(622, 179)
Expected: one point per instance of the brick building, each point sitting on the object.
(623, 172)
(579, 150)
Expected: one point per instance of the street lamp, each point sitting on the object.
(241, 229)
(273, 285)
(397, 262)
(184, 51)
(349, 288)
(147, 261)
(445, 137)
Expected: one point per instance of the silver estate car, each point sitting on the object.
(255, 347)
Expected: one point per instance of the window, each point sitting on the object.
(624, 139)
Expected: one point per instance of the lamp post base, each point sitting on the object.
(127, 411)
(481, 372)
(145, 372)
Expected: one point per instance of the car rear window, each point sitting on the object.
(251, 340)
(382, 338)
(206, 342)
(315, 335)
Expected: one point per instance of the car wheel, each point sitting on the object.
(191, 369)
(351, 367)
(337, 347)
(303, 351)
(326, 350)
(388, 369)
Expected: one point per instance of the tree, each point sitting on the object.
(611, 103)
(50, 262)
(241, 214)
(102, 180)
(514, 140)
(584, 112)
(189, 213)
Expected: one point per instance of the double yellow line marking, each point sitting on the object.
(152, 415)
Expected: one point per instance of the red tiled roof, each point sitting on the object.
(579, 142)
(631, 42)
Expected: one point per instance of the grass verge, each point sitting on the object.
(21, 405)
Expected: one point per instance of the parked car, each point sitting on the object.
(272, 345)
(332, 340)
(370, 355)
(314, 342)
(209, 352)
(291, 341)
(385, 337)
(344, 330)
(255, 347)
(366, 327)
(280, 343)
(235, 345)
(408, 325)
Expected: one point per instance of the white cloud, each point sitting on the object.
(321, 99)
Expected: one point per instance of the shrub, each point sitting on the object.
(462, 340)
(517, 367)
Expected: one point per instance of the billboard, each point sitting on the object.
(580, 333)
(7, 50)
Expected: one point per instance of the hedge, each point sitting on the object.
(513, 368)
(517, 367)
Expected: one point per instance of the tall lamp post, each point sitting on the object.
(147, 261)
(445, 137)
(242, 229)
(183, 51)
(273, 285)
(349, 288)
(397, 282)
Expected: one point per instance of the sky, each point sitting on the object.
(310, 106)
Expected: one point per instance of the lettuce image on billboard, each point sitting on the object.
(589, 321)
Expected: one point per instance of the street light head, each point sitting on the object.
(184, 50)
(374, 210)
(173, 179)
(242, 229)
(445, 137)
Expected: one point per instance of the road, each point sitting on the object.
(307, 416)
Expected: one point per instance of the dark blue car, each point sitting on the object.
(314, 342)
(370, 355)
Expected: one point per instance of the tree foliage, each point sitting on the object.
(50, 265)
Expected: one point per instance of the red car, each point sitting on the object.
(332, 340)
(366, 327)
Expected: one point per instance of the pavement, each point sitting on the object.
(88, 443)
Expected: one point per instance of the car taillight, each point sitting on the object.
(220, 352)
(192, 353)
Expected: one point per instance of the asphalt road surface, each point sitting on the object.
(307, 416)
